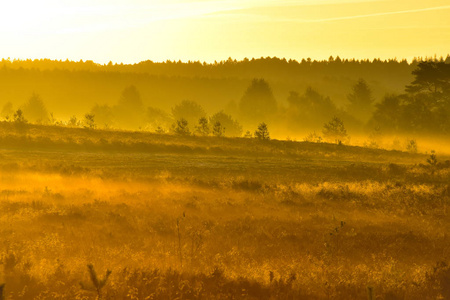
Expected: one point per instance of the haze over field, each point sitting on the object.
(224, 149)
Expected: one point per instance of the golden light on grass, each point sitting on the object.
(275, 162)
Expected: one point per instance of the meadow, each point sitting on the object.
(175, 217)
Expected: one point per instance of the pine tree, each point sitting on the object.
(361, 100)
(262, 132)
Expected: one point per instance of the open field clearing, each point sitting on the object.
(287, 221)
(225, 150)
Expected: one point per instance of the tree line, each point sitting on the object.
(424, 107)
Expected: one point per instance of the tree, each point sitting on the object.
(129, 111)
(74, 122)
(262, 132)
(181, 127)
(218, 129)
(335, 131)
(35, 110)
(432, 161)
(97, 284)
(231, 126)
(189, 111)
(103, 115)
(411, 146)
(361, 100)
(130, 99)
(258, 101)
(19, 118)
(203, 127)
(388, 114)
(429, 97)
(432, 77)
(89, 121)
(310, 109)
(425, 106)
(157, 118)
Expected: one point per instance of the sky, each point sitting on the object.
(130, 31)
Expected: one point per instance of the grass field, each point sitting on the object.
(211, 218)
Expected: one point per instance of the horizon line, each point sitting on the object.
(210, 62)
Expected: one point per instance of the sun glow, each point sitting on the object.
(131, 31)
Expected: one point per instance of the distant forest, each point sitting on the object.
(293, 97)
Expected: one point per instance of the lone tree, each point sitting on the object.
(262, 132)
(335, 131)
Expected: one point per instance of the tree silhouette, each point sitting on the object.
(218, 129)
(258, 101)
(361, 100)
(19, 118)
(74, 122)
(432, 161)
(310, 109)
(388, 114)
(189, 111)
(130, 99)
(181, 127)
(129, 111)
(203, 127)
(262, 132)
(231, 126)
(335, 131)
(157, 118)
(89, 121)
(35, 109)
(97, 284)
(430, 76)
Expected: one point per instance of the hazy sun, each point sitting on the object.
(135, 30)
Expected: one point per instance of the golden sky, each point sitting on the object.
(134, 30)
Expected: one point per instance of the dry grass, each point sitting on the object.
(270, 226)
